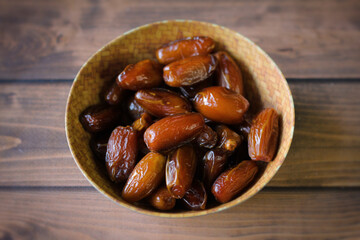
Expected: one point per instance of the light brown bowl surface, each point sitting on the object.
(265, 86)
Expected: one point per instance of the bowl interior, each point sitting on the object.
(265, 86)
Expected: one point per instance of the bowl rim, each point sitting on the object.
(189, 213)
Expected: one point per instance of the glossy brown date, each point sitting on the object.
(228, 73)
(173, 131)
(189, 71)
(184, 48)
(99, 117)
(134, 109)
(114, 94)
(162, 102)
(180, 170)
(221, 105)
(196, 197)
(144, 74)
(263, 136)
(231, 182)
(145, 178)
(214, 163)
(207, 137)
(161, 199)
(228, 139)
(121, 153)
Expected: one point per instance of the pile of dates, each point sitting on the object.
(190, 130)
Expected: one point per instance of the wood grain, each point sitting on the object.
(51, 39)
(78, 213)
(325, 150)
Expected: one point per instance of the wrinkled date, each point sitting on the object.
(161, 199)
(233, 181)
(114, 94)
(228, 139)
(214, 163)
(196, 197)
(228, 73)
(145, 178)
(180, 170)
(184, 48)
(121, 153)
(207, 137)
(221, 105)
(99, 117)
(189, 71)
(144, 74)
(173, 131)
(263, 136)
(162, 102)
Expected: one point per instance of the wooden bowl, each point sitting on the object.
(265, 86)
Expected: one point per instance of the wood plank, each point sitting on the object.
(52, 39)
(325, 150)
(86, 214)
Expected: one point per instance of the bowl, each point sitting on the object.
(265, 86)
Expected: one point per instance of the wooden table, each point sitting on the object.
(316, 193)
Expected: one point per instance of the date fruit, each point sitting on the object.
(196, 197)
(161, 199)
(162, 102)
(189, 71)
(144, 74)
(228, 73)
(233, 181)
(263, 136)
(207, 138)
(134, 109)
(183, 48)
(99, 117)
(114, 94)
(180, 170)
(121, 153)
(221, 105)
(145, 178)
(228, 139)
(173, 131)
(214, 163)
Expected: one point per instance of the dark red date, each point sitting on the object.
(196, 197)
(99, 117)
(121, 153)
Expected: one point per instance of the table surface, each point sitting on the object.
(315, 194)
